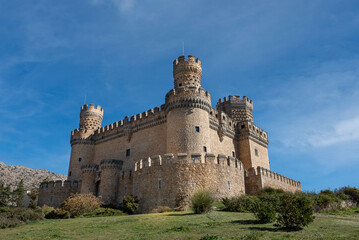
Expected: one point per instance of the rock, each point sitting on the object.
(12, 175)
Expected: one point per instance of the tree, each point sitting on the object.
(33, 195)
(5, 193)
(18, 194)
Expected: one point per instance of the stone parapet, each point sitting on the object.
(259, 178)
(184, 158)
(53, 193)
(248, 129)
(189, 97)
(125, 127)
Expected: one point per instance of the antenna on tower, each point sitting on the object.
(183, 48)
(85, 100)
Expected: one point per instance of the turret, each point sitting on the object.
(82, 148)
(187, 73)
(90, 117)
(236, 108)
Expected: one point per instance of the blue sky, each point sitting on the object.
(297, 60)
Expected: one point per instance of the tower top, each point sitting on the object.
(188, 72)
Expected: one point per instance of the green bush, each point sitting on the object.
(244, 203)
(105, 212)
(265, 212)
(202, 201)
(352, 192)
(161, 209)
(58, 213)
(130, 204)
(295, 211)
(13, 216)
(79, 204)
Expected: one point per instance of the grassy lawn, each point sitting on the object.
(182, 225)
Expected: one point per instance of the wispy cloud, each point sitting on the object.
(124, 6)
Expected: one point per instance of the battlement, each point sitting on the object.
(236, 99)
(123, 127)
(188, 97)
(184, 158)
(259, 178)
(181, 61)
(91, 107)
(246, 129)
(59, 184)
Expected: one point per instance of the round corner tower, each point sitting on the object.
(82, 148)
(187, 107)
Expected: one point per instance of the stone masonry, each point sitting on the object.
(162, 155)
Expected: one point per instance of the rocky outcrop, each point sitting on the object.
(12, 175)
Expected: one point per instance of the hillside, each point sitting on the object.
(12, 175)
(183, 225)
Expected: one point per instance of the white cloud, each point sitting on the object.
(123, 6)
(343, 131)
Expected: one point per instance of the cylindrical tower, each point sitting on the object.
(187, 73)
(110, 173)
(90, 117)
(187, 107)
(88, 178)
(82, 148)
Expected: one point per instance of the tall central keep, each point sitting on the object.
(187, 107)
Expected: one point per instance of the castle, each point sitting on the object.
(162, 155)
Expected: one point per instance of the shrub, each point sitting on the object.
(58, 213)
(79, 204)
(265, 212)
(105, 212)
(202, 201)
(13, 216)
(245, 203)
(352, 192)
(130, 204)
(47, 209)
(161, 209)
(295, 211)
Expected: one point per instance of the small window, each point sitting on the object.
(229, 185)
(128, 152)
(233, 154)
(197, 128)
(204, 149)
(80, 159)
(180, 85)
(256, 152)
(243, 126)
(70, 174)
(159, 183)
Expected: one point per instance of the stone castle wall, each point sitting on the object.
(169, 180)
(54, 193)
(257, 179)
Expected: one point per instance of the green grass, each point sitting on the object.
(182, 225)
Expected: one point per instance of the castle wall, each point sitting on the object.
(226, 146)
(54, 193)
(261, 158)
(145, 142)
(170, 180)
(259, 178)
